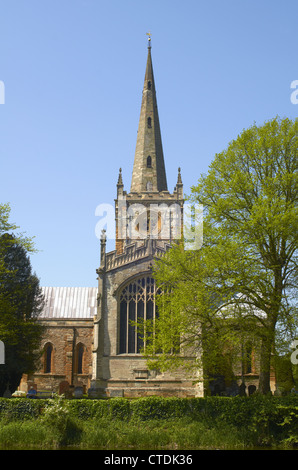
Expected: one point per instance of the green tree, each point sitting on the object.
(21, 301)
(247, 267)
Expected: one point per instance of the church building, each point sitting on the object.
(92, 342)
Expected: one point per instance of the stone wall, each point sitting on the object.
(65, 336)
(116, 374)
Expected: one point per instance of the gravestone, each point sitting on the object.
(78, 392)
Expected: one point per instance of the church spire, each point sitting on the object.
(149, 169)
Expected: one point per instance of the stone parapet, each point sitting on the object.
(134, 252)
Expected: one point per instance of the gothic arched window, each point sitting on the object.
(149, 162)
(48, 358)
(149, 122)
(137, 304)
(79, 358)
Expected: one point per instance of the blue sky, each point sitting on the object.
(73, 72)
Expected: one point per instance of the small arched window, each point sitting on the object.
(149, 85)
(149, 162)
(149, 124)
(80, 355)
(48, 358)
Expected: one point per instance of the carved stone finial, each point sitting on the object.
(120, 181)
(103, 237)
(179, 179)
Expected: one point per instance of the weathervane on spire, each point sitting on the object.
(149, 39)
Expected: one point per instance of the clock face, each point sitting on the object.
(154, 224)
(142, 224)
(147, 224)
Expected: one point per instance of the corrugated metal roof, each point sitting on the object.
(69, 302)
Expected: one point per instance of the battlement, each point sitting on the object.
(135, 251)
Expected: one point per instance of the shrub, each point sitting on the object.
(56, 415)
(159, 408)
(86, 409)
(119, 408)
(19, 408)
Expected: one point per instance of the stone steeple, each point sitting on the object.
(140, 212)
(149, 169)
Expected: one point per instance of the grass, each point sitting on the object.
(104, 434)
(26, 434)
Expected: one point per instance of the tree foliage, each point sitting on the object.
(243, 281)
(21, 301)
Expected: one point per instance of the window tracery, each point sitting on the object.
(137, 304)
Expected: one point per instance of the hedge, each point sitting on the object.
(20, 408)
(263, 420)
(256, 410)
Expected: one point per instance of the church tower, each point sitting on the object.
(148, 210)
(148, 219)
